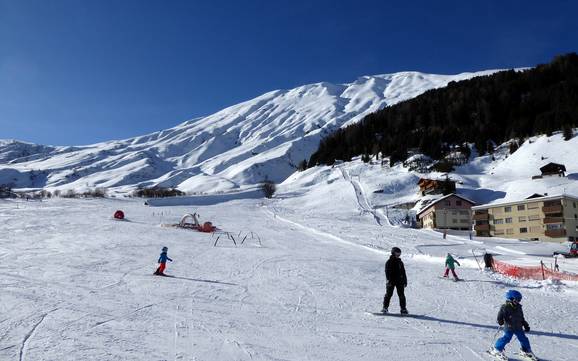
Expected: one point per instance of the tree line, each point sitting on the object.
(485, 110)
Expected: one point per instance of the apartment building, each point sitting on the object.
(449, 212)
(538, 217)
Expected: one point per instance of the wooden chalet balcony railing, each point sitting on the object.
(552, 209)
(555, 233)
(481, 216)
(482, 227)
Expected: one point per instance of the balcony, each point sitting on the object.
(552, 209)
(550, 220)
(555, 233)
(482, 227)
(481, 217)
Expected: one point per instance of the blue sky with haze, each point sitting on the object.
(81, 72)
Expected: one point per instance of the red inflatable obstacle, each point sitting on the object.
(207, 227)
(191, 221)
(119, 215)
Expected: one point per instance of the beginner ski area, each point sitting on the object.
(77, 285)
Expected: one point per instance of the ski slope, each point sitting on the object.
(77, 285)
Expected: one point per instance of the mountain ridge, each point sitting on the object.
(232, 149)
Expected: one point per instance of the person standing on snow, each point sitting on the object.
(450, 266)
(396, 278)
(162, 262)
(511, 317)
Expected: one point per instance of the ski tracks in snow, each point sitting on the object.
(30, 334)
(362, 200)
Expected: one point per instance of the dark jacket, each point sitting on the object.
(395, 272)
(512, 316)
(163, 258)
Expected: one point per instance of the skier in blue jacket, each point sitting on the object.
(511, 317)
(162, 262)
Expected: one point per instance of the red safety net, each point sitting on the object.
(532, 272)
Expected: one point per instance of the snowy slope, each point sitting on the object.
(76, 285)
(235, 148)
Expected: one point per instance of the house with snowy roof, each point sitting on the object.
(452, 211)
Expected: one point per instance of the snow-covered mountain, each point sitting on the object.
(235, 148)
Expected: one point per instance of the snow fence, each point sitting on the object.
(540, 272)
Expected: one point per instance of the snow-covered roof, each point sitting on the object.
(525, 200)
(442, 198)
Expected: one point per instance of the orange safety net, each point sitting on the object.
(532, 272)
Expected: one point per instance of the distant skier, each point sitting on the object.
(511, 317)
(488, 261)
(450, 266)
(396, 278)
(162, 262)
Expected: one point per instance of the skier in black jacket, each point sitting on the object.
(396, 278)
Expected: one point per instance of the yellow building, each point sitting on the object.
(545, 218)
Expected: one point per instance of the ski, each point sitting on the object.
(526, 356)
(451, 279)
(497, 356)
(394, 314)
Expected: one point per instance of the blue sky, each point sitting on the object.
(79, 72)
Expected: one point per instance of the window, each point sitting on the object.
(508, 220)
(533, 217)
(533, 205)
(448, 203)
(499, 232)
(523, 230)
(458, 203)
(498, 221)
(464, 213)
(454, 213)
(536, 229)
(521, 207)
(509, 231)
(454, 221)
(522, 219)
(574, 203)
(507, 209)
(464, 221)
(554, 226)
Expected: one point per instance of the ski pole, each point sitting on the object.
(496, 335)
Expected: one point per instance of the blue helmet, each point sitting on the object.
(513, 295)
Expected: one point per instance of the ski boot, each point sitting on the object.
(498, 355)
(527, 355)
(403, 311)
(384, 310)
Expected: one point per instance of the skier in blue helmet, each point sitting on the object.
(162, 262)
(511, 317)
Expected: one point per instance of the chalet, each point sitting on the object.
(449, 212)
(538, 217)
(434, 186)
(551, 169)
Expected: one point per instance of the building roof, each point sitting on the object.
(553, 167)
(441, 199)
(525, 200)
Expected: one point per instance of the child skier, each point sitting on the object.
(162, 262)
(450, 266)
(511, 317)
(396, 279)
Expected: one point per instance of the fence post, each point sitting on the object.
(542, 266)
